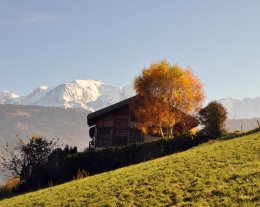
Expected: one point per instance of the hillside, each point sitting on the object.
(67, 125)
(220, 173)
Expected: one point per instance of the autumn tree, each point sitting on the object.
(213, 117)
(164, 93)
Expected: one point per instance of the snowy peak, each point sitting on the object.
(247, 108)
(43, 88)
(34, 96)
(94, 95)
(86, 94)
(7, 97)
(87, 83)
(74, 94)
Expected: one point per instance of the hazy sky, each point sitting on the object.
(50, 42)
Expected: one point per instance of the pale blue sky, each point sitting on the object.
(50, 42)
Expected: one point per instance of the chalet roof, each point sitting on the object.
(108, 109)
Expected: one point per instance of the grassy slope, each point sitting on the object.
(223, 173)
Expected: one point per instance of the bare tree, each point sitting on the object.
(25, 157)
(10, 158)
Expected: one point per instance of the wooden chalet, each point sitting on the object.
(115, 125)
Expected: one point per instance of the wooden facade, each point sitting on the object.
(114, 126)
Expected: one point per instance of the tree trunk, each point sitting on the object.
(161, 131)
(171, 129)
(171, 132)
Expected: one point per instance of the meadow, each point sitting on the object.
(217, 173)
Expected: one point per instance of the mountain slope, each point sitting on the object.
(222, 173)
(67, 125)
(246, 124)
(242, 109)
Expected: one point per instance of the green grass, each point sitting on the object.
(219, 173)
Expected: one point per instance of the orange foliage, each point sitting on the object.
(12, 183)
(164, 92)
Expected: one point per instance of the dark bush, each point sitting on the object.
(237, 134)
(108, 159)
(213, 118)
(52, 172)
(94, 162)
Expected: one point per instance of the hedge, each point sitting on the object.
(94, 162)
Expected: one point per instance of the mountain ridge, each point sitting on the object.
(90, 95)
(247, 108)
(93, 95)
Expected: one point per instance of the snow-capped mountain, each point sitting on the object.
(242, 109)
(86, 94)
(93, 95)
(7, 97)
